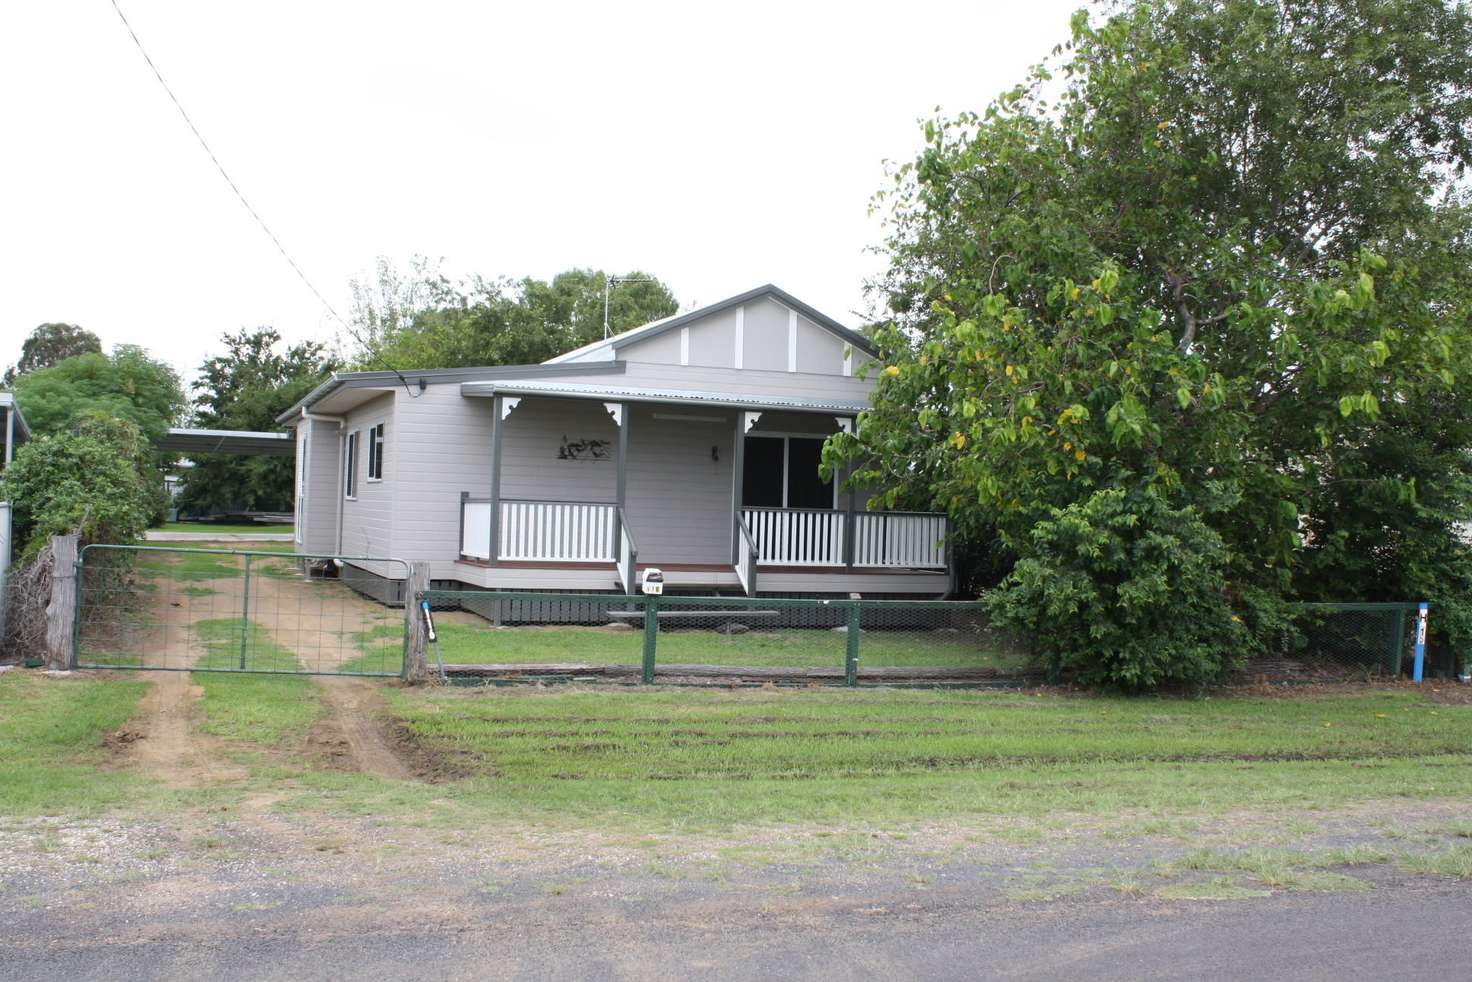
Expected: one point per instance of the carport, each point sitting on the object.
(190, 441)
(249, 443)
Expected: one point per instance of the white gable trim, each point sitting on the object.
(791, 340)
(607, 349)
(740, 334)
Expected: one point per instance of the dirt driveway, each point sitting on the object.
(294, 623)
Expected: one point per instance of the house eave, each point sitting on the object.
(410, 380)
(674, 397)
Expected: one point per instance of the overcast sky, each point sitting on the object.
(718, 147)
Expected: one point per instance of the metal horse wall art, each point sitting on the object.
(583, 449)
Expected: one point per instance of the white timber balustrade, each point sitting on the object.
(904, 539)
(475, 529)
(746, 558)
(796, 536)
(557, 531)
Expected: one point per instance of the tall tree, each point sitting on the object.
(429, 323)
(48, 344)
(246, 388)
(127, 384)
(387, 302)
(1223, 273)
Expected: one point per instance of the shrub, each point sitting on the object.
(86, 480)
(1123, 590)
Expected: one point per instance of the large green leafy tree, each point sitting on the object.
(420, 320)
(246, 388)
(1215, 259)
(127, 384)
(48, 344)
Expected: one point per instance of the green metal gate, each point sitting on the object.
(161, 608)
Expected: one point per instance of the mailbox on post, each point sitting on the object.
(653, 582)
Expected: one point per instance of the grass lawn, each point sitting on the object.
(223, 636)
(476, 644)
(619, 761)
(266, 709)
(192, 564)
(183, 566)
(51, 743)
(224, 529)
(718, 758)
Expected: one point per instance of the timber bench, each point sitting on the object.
(696, 615)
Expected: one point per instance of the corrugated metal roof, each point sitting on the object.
(694, 397)
(22, 431)
(248, 443)
(629, 335)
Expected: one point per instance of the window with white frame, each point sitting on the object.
(350, 467)
(375, 453)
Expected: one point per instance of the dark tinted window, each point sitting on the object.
(805, 489)
(761, 473)
(350, 479)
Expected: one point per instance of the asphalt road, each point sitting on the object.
(1415, 929)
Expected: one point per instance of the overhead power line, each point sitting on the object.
(224, 173)
(253, 213)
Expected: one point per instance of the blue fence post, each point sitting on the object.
(1422, 614)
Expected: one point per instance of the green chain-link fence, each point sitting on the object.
(721, 639)
(790, 640)
(1349, 641)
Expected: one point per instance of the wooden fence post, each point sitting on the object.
(4, 563)
(61, 611)
(416, 665)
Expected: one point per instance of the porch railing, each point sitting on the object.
(628, 554)
(903, 539)
(590, 532)
(540, 531)
(557, 531)
(746, 557)
(475, 527)
(796, 536)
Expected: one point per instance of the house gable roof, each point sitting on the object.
(655, 328)
(574, 363)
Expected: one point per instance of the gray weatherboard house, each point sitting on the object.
(689, 444)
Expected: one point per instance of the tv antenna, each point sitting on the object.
(609, 282)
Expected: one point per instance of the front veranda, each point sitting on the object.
(587, 492)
